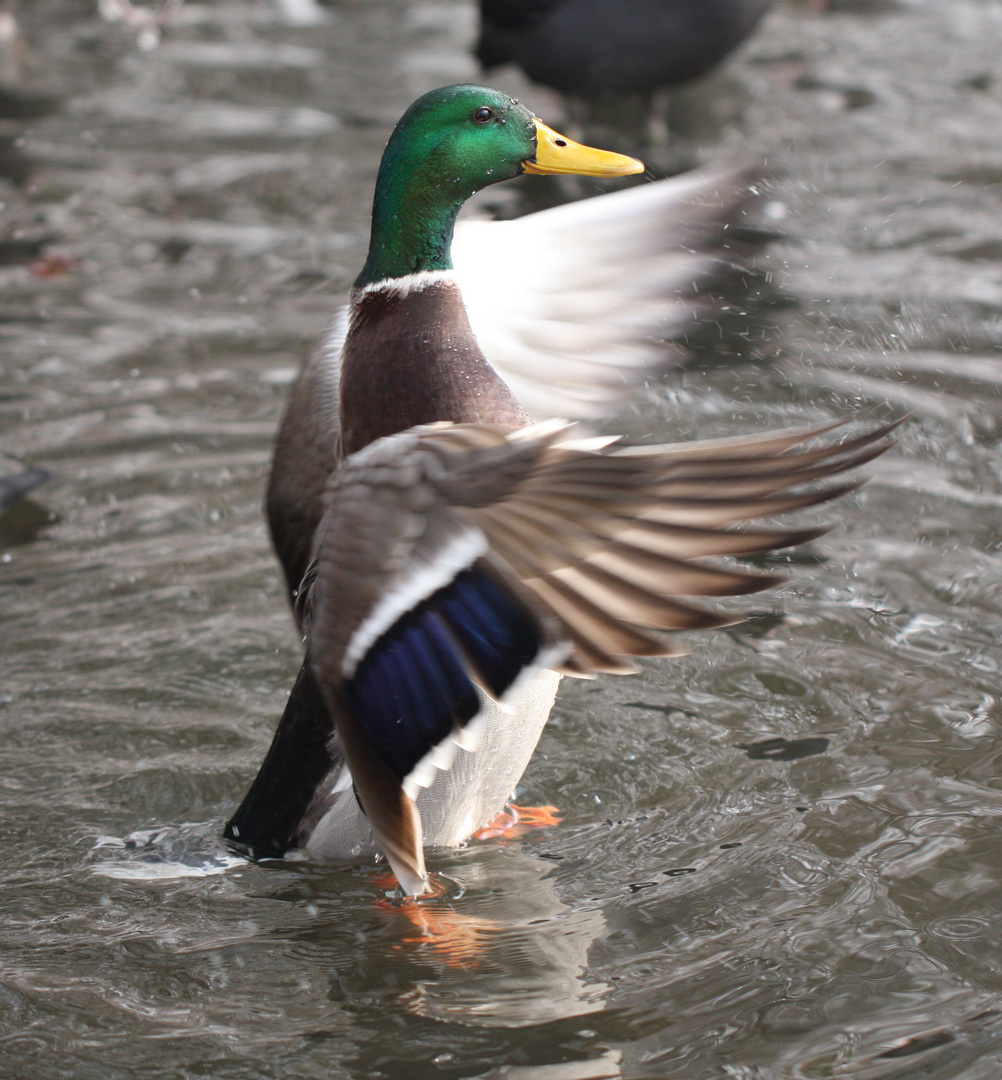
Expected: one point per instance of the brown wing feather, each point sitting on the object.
(392, 814)
(599, 540)
(605, 539)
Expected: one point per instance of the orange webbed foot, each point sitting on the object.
(515, 821)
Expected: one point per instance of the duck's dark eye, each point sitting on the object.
(483, 114)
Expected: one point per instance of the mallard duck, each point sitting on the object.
(593, 48)
(451, 560)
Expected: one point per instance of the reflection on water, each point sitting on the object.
(778, 857)
(476, 957)
(499, 963)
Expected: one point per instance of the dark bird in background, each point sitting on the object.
(601, 48)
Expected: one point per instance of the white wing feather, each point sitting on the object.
(574, 305)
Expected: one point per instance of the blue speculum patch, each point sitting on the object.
(414, 684)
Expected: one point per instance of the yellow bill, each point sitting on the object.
(557, 154)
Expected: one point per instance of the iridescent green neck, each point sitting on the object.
(449, 144)
(414, 213)
(413, 219)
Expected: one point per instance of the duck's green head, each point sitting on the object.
(449, 144)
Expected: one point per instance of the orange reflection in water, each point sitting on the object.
(460, 940)
(456, 939)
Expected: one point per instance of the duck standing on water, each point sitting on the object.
(449, 560)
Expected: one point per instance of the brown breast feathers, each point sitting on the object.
(411, 358)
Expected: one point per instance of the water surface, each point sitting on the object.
(779, 857)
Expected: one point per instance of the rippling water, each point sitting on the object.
(779, 857)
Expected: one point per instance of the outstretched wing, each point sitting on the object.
(597, 294)
(454, 560)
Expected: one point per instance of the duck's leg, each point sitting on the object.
(303, 754)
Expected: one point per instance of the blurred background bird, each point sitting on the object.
(614, 59)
